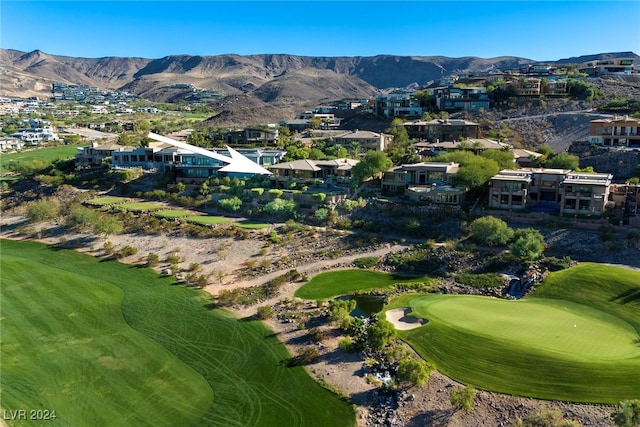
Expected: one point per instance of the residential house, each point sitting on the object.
(365, 139)
(195, 164)
(609, 66)
(323, 115)
(336, 171)
(442, 130)
(585, 193)
(615, 132)
(261, 136)
(550, 190)
(527, 86)
(96, 154)
(397, 104)
(626, 202)
(462, 99)
(424, 182)
(10, 144)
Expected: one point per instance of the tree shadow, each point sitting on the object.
(432, 418)
(630, 295)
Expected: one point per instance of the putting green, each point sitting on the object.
(547, 348)
(557, 326)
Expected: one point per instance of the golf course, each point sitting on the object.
(104, 343)
(576, 338)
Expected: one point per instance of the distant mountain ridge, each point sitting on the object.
(280, 81)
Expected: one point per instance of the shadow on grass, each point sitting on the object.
(630, 295)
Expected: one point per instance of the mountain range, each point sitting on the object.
(278, 85)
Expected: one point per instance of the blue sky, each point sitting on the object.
(541, 30)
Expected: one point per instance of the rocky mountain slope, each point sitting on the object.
(300, 77)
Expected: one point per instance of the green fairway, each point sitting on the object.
(577, 338)
(252, 225)
(47, 154)
(141, 206)
(103, 201)
(172, 213)
(104, 343)
(208, 220)
(333, 283)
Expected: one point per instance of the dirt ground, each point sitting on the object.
(428, 405)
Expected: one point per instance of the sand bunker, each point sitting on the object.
(399, 319)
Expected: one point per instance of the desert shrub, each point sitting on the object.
(257, 191)
(319, 197)
(545, 417)
(275, 193)
(230, 204)
(347, 344)
(281, 208)
(107, 224)
(317, 335)
(128, 251)
(463, 398)
(366, 262)
(42, 210)
(153, 259)
(79, 217)
(415, 372)
(307, 355)
(321, 215)
(265, 312)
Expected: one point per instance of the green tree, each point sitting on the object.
(528, 244)
(42, 210)
(504, 159)
(107, 224)
(463, 398)
(340, 313)
(401, 149)
(125, 139)
(563, 161)
(490, 230)
(265, 312)
(415, 372)
(79, 217)
(627, 414)
(371, 165)
(476, 173)
(282, 208)
(380, 335)
(231, 204)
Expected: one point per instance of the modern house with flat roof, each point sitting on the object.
(195, 164)
(442, 130)
(366, 139)
(616, 132)
(550, 190)
(336, 171)
(424, 182)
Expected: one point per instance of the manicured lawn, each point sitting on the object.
(48, 154)
(103, 201)
(172, 213)
(208, 220)
(333, 283)
(577, 338)
(105, 343)
(141, 206)
(252, 225)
